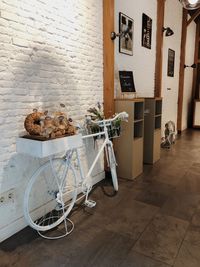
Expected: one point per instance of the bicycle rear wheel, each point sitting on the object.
(112, 165)
(50, 195)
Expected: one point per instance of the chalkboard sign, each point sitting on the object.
(126, 81)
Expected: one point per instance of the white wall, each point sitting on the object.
(51, 52)
(170, 97)
(142, 63)
(188, 79)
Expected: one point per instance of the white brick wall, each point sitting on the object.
(50, 52)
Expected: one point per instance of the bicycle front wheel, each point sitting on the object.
(50, 195)
(112, 165)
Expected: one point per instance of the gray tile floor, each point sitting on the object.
(153, 221)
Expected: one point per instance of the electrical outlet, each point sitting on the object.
(7, 197)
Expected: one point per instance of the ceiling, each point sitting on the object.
(192, 12)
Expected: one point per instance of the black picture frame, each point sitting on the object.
(126, 28)
(171, 63)
(127, 81)
(146, 31)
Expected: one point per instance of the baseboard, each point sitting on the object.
(20, 223)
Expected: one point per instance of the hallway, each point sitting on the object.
(153, 221)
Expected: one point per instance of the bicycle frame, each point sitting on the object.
(64, 183)
(85, 177)
(103, 146)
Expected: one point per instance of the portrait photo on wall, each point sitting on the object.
(171, 61)
(146, 31)
(126, 34)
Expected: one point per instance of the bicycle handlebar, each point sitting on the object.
(122, 115)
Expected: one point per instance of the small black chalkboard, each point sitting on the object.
(126, 81)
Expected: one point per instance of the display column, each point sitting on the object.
(129, 147)
(152, 129)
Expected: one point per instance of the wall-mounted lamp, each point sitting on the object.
(192, 66)
(190, 4)
(168, 31)
(125, 34)
(114, 35)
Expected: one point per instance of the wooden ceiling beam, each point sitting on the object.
(193, 17)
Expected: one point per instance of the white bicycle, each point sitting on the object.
(53, 189)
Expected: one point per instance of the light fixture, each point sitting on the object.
(168, 31)
(192, 66)
(113, 35)
(126, 33)
(190, 4)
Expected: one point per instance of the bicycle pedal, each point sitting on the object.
(90, 203)
(58, 207)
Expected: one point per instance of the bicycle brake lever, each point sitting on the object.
(125, 116)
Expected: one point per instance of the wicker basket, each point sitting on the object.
(114, 129)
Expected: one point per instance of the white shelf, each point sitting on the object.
(158, 107)
(42, 149)
(138, 129)
(139, 111)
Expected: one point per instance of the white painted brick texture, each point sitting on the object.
(50, 52)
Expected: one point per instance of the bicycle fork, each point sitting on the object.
(113, 154)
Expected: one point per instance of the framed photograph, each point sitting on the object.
(126, 81)
(146, 31)
(126, 38)
(171, 61)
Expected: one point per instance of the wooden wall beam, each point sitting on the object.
(182, 71)
(193, 17)
(195, 94)
(108, 57)
(159, 47)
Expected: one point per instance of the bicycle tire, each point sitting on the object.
(46, 202)
(112, 165)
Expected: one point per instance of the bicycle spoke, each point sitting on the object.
(49, 206)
